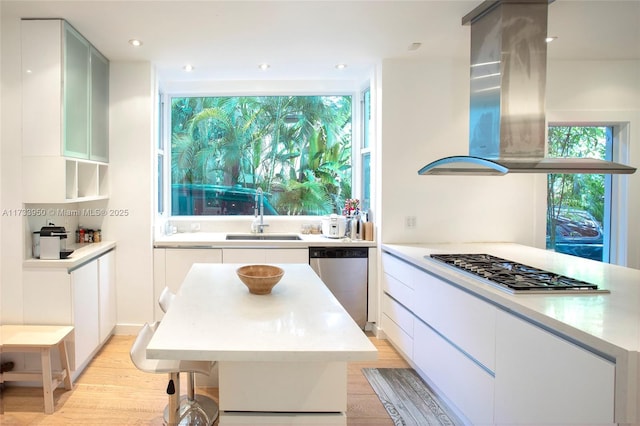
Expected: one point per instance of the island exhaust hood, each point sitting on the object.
(508, 82)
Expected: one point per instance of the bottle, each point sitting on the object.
(81, 235)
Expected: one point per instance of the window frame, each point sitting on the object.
(619, 186)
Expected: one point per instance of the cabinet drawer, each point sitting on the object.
(463, 382)
(398, 314)
(398, 269)
(399, 291)
(587, 380)
(401, 340)
(465, 320)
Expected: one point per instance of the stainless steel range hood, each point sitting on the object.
(508, 82)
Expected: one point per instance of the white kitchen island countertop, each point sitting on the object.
(607, 322)
(215, 317)
(282, 357)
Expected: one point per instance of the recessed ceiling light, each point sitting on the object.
(550, 39)
(188, 68)
(135, 42)
(264, 67)
(341, 66)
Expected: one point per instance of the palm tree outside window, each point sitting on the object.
(297, 149)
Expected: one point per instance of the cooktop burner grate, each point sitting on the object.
(513, 276)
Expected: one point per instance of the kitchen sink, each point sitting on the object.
(268, 237)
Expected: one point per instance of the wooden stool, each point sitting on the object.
(38, 338)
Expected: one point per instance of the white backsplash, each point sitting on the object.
(234, 224)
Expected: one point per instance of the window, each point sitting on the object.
(579, 205)
(297, 149)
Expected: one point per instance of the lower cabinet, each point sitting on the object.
(85, 289)
(491, 365)
(457, 376)
(543, 379)
(107, 294)
(398, 324)
(84, 298)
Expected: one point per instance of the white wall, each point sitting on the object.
(12, 236)
(132, 132)
(425, 112)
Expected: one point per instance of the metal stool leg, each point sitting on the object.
(197, 409)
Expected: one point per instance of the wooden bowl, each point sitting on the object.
(260, 279)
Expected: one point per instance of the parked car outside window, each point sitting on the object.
(202, 199)
(578, 233)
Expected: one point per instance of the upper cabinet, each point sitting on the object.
(65, 88)
(99, 147)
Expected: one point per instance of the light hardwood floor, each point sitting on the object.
(111, 391)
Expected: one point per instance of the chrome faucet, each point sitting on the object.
(259, 209)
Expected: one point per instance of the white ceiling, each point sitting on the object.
(305, 39)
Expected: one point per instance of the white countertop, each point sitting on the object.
(82, 253)
(607, 322)
(214, 317)
(218, 240)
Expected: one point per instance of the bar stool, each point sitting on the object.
(165, 300)
(191, 411)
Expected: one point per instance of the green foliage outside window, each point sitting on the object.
(296, 148)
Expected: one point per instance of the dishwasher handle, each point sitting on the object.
(338, 252)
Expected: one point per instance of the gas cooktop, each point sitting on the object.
(515, 277)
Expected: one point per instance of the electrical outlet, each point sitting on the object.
(195, 227)
(410, 222)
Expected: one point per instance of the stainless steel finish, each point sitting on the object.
(269, 237)
(344, 270)
(259, 209)
(482, 166)
(507, 129)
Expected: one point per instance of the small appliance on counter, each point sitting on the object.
(334, 226)
(53, 243)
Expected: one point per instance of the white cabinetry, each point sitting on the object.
(543, 379)
(455, 374)
(272, 255)
(107, 294)
(83, 298)
(466, 321)
(86, 319)
(494, 367)
(170, 267)
(65, 86)
(397, 319)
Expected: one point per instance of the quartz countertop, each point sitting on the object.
(607, 322)
(214, 317)
(82, 253)
(218, 240)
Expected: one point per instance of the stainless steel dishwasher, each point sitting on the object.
(345, 271)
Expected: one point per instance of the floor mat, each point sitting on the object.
(407, 398)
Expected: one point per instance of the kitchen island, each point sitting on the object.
(281, 357)
(500, 358)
